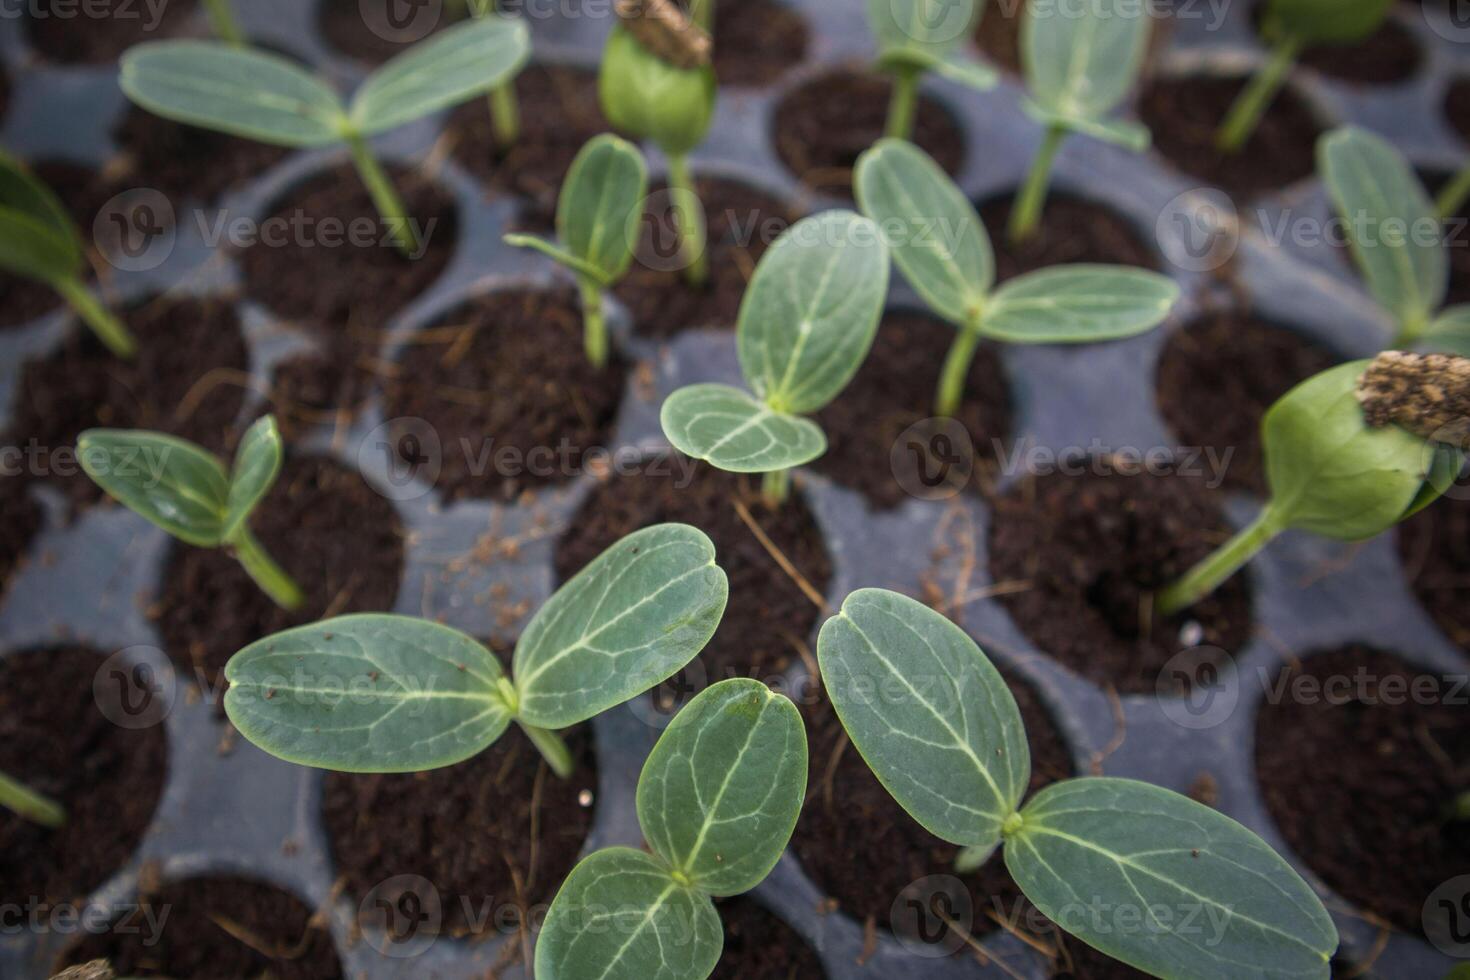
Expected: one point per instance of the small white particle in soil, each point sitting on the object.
(1191, 633)
(584, 798)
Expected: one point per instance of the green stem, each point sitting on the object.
(224, 23)
(271, 578)
(1454, 195)
(957, 369)
(552, 749)
(1257, 97)
(776, 487)
(702, 12)
(27, 803)
(689, 214)
(903, 104)
(1026, 214)
(385, 198)
(594, 322)
(505, 115)
(1213, 572)
(108, 328)
(1410, 332)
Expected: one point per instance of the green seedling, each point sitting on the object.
(190, 493)
(265, 97)
(932, 717)
(946, 255)
(505, 108)
(919, 36)
(1290, 26)
(1454, 195)
(717, 801)
(222, 19)
(650, 97)
(1397, 238)
(1080, 64)
(806, 325)
(39, 241)
(27, 804)
(379, 693)
(1330, 473)
(597, 225)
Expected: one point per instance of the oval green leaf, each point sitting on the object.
(600, 205)
(1392, 225)
(175, 484)
(368, 693)
(733, 431)
(37, 237)
(620, 915)
(943, 249)
(929, 713)
(241, 91)
(257, 464)
(446, 69)
(920, 34)
(1324, 21)
(811, 311)
(627, 622)
(1450, 332)
(1167, 885)
(1079, 304)
(720, 793)
(1082, 59)
(650, 99)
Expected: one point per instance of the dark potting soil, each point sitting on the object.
(101, 30)
(324, 245)
(55, 739)
(346, 27)
(332, 533)
(1388, 55)
(22, 521)
(507, 387)
(1435, 548)
(497, 831)
(742, 222)
(1075, 960)
(769, 619)
(893, 391)
(321, 387)
(559, 113)
(999, 34)
(1092, 549)
(823, 126)
(761, 946)
(1457, 107)
(187, 380)
(216, 927)
(757, 42)
(1219, 375)
(1358, 774)
(1185, 112)
(186, 163)
(1071, 230)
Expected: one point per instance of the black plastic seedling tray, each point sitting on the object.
(91, 576)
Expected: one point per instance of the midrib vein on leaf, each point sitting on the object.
(806, 325)
(292, 105)
(911, 206)
(714, 806)
(1400, 257)
(653, 910)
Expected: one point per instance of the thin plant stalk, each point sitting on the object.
(222, 19)
(1211, 573)
(1026, 214)
(385, 197)
(957, 369)
(30, 805)
(776, 487)
(689, 216)
(263, 570)
(108, 328)
(702, 12)
(903, 104)
(553, 749)
(1454, 195)
(505, 109)
(1252, 104)
(594, 321)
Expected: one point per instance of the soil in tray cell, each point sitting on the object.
(506, 388)
(22, 520)
(495, 835)
(1088, 551)
(1071, 230)
(328, 387)
(1387, 56)
(99, 31)
(56, 739)
(757, 42)
(337, 537)
(187, 163)
(217, 926)
(824, 125)
(769, 619)
(1457, 107)
(1434, 546)
(367, 32)
(760, 946)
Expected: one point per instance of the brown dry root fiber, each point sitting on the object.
(1428, 394)
(95, 970)
(666, 30)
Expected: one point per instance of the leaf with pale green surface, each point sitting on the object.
(720, 793)
(1207, 899)
(1079, 304)
(173, 483)
(257, 464)
(1081, 59)
(945, 253)
(1324, 21)
(635, 616)
(368, 693)
(730, 429)
(37, 237)
(926, 35)
(1121, 132)
(1450, 332)
(599, 207)
(930, 715)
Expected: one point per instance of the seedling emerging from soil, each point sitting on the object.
(918, 36)
(38, 241)
(378, 693)
(1080, 64)
(946, 256)
(657, 83)
(936, 723)
(505, 108)
(1330, 473)
(265, 97)
(1289, 26)
(189, 492)
(27, 804)
(806, 324)
(597, 223)
(717, 801)
(222, 19)
(1397, 238)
